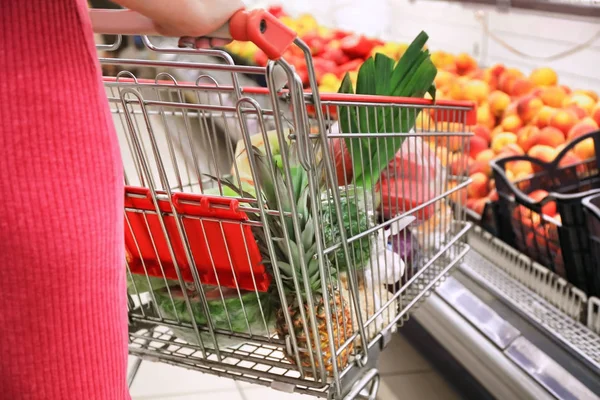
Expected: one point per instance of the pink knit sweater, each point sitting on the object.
(63, 322)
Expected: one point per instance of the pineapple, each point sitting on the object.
(288, 265)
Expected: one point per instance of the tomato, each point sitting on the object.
(277, 11)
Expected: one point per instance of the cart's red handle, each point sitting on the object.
(258, 26)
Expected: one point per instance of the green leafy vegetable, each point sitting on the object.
(413, 76)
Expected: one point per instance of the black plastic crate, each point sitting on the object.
(561, 243)
(591, 207)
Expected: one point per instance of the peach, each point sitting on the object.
(589, 93)
(584, 126)
(493, 195)
(485, 156)
(498, 102)
(497, 69)
(459, 165)
(501, 140)
(478, 188)
(513, 149)
(542, 118)
(476, 90)
(569, 159)
(563, 120)
(512, 123)
(510, 176)
(526, 135)
(596, 113)
(520, 167)
(483, 132)
(543, 77)
(528, 107)
(489, 78)
(443, 79)
(479, 205)
(477, 145)
(585, 149)
(507, 79)
(549, 136)
(582, 100)
(510, 110)
(441, 59)
(542, 152)
(548, 208)
(484, 116)
(465, 63)
(579, 112)
(480, 166)
(553, 96)
(521, 87)
(498, 129)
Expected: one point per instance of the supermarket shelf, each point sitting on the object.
(557, 319)
(500, 349)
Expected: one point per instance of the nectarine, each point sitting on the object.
(589, 93)
(584, 126)
(528, 107)
(485, 117)
(596, 113)
(549, 136)
(483, 132)
(477, 145)
(526, 136)
(520, 167)
(543, 77)
(478, 188)
(465, 63)
(498, 102)
(512, 123)
(548, 208)
(476, 90)
(480, 166)
(542, 119)
(582, 100)
(563, 120)
(553, 96)
(579, 112)
(585, 149)
(542, 152)
(521, 87)
(501, 140)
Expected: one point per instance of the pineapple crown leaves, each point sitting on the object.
(271, 183)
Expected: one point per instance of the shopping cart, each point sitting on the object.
(274, 267)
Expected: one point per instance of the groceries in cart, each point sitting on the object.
(326, 206)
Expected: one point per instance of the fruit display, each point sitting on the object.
(517, 113)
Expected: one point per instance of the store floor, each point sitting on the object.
(406, 376)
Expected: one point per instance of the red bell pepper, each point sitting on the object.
(349, 66)
(358, 46)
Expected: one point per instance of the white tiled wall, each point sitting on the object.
(453, 27)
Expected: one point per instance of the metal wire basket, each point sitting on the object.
(251, 251)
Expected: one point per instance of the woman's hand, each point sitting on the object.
(187, 19)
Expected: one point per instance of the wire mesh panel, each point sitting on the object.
(266, 241)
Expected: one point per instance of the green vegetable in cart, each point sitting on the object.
(413, 76)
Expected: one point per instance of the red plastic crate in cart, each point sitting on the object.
(221, 246)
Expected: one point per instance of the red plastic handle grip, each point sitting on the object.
(258, 26)
(264, 30)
